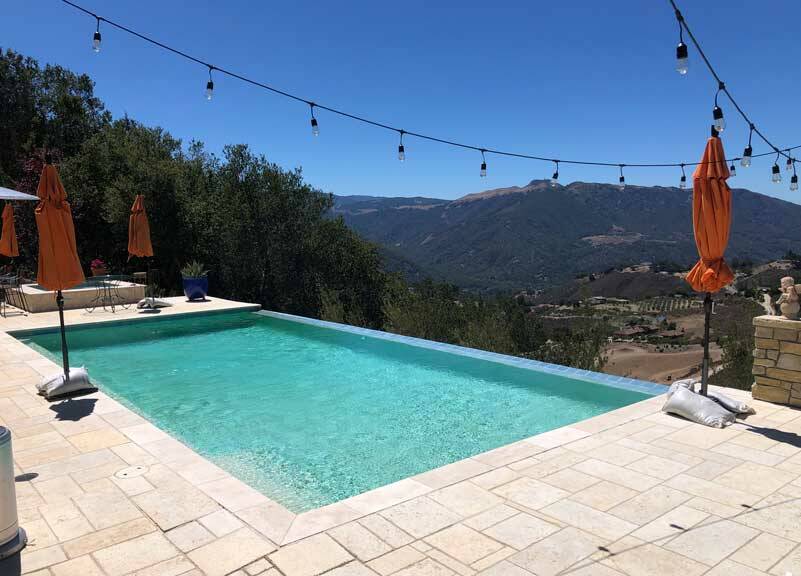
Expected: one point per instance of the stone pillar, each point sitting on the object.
(777, 360)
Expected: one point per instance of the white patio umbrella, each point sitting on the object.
(9, 194)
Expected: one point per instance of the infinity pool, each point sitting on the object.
(310, 415)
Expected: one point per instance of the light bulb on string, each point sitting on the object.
(789, 165)
(401, 149)
(210, 86)
(717, 111)
(683, 180)
(483, 172)
(682, 59)
(96, 38)
(745, 161)
(794, 179)
(555, 177)
(776, 173)
(622, 180)
(315, 127)
(732, 170)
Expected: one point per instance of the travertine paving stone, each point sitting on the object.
(637, 558)
(712, 542)
(673, 523)
(420, 517)
(557, 552)
(464, 544)
(427, 567)
(521, 530)
(189, 536)
(396, 560)
(465, 499)
(359, 541)
(604, 495)
(491, 517)
(135, 554)
(591, 520)
(310, 557)
(81, 566)
(230, 552)
(763, 551)
(531, 493)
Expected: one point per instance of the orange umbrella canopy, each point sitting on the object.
(8, 240)
(711, 220)
(139, 230)
(59, 267)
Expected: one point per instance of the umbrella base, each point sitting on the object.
(14, 545)
(57, 385)
(149, 310)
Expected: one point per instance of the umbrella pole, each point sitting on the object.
(705, 366)
(64, 354)
(149, 282)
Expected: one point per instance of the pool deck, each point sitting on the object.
(632, 492)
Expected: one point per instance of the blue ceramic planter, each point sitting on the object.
(196, 288)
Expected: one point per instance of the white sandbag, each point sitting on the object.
(58, 386)
(687, 383)
(731, 404)
(47, 381)
(683, 402)
(152, 303)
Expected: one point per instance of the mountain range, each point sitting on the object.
(538, 235)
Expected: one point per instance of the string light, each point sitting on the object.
(776, 174)
(401, 149)
(683, 181)
(746, 160)
(794, 179)
(210, 85)
(483, 172)
(682, 59)
(683, 28)
(789, 165)
(555, 177)
(622, 179)
(732, 170)
(314, 125)
(717, 111)
(96, 38)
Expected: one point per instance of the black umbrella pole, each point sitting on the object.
(705, 365)
(65, 358)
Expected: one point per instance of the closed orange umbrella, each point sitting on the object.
(711, 220)
(711, 224)
(59, 267)
(139, 230)
(8, 240)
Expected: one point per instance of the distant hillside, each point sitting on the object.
(629, 285)
(537, 235)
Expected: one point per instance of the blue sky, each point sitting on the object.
(573, 79)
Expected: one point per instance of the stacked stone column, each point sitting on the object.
(777, 360)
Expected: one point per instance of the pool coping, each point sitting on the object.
(23, 332)
(642, 386)
(282, 526)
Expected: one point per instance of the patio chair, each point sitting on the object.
(12, 295)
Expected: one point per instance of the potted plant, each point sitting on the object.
(195, 280)
(98, 267)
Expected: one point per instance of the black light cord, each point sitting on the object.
(422, 136)
(722, 88)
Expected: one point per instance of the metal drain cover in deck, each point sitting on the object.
(130, 472)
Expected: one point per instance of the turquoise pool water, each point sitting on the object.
(311, 415)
